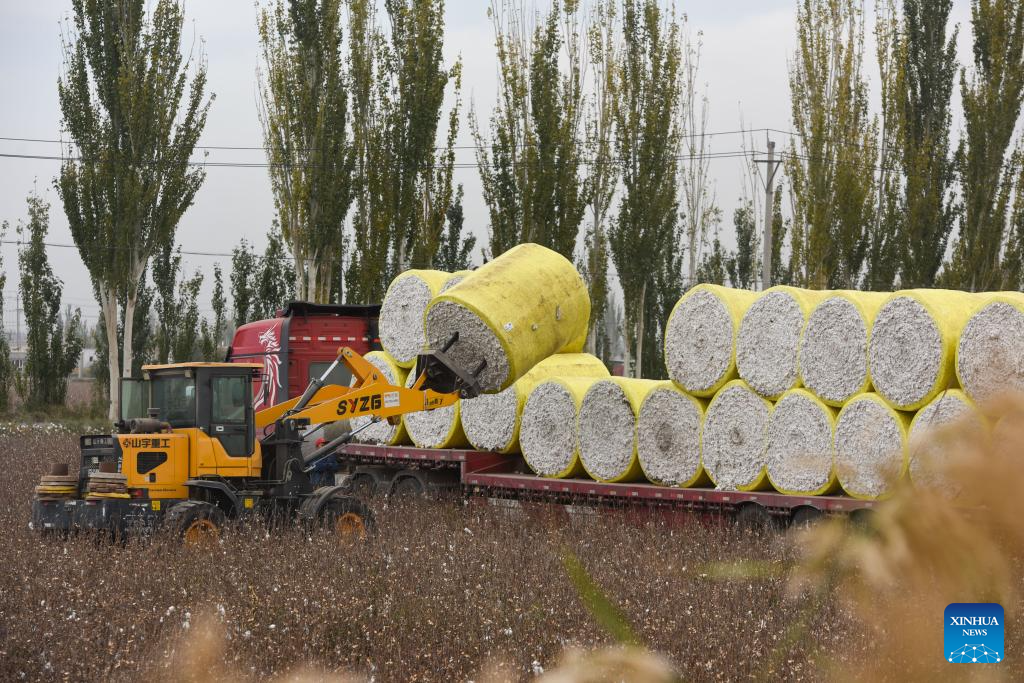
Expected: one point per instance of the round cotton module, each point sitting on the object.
(607, 428)
(700, 337)
(668, 437)
(990, 353)
(438, 428)
(913, 342)
(948, 426)
(547, 434)
(733, 438)
(799, 455)
(510, 314)
(833, 360)
(491, 421)
(382, 432)
(871, 446)
(769, 339)
(401, 321)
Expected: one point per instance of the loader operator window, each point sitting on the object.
(175, 397)
(229, 419)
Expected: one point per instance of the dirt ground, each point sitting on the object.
(445, 591)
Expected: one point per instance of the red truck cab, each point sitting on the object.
(300, 343)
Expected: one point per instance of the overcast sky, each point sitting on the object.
(746, 44)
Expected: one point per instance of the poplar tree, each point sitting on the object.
(454, 251)
(260, 285)
(212, 330)
(304, 114)
(645, 233)
(992, 96)
(127, 181)
(6, 368)
(929, 68)
(530, 166)
(831, 160)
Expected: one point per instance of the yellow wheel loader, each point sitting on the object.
(189, 452)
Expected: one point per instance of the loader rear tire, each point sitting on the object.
(196, 523)
(348, 519)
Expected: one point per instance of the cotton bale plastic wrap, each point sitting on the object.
(607, 428)
(913, 344)
(871, 446)
(733, 438)
(768, 342)
(668, 436)
(990, 352)
(833, 359)
(383, 432)
(401, 322)
(700, 337)
(491, 421)
(949, 425)
(547, 434)
(513, 312)
(438, 428)
(800, 450)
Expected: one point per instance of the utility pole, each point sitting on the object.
(769, 205)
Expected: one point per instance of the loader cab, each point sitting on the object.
(208, 403)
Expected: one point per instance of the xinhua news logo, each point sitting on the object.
(974, 633)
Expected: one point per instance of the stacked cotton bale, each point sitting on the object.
(492, 421)
(668, 437)
(402, 312)
(382, 432)
(607, 428)
(833, 360)
(913, 344)
(733, 438)
(768, 341)
(547, 433)
(871, 446)
(515, 311)
(990, 352)
(437, 428)
(800, 450)
(700, 337)
(933, 440)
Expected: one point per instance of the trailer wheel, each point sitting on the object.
(363, 486)
(754, 517)
(196, 523)
(407, 487)
(347, 518)
(806, 515)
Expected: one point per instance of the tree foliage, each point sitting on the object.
(6, 368)
(744, 267)
(454, 252)
(304, 113)
(260, 285)
(134, 119)
(530, 165)
(212, 330)
(830, 162)
(53, 345)
(992, 96)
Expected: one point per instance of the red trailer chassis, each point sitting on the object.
(496, 476)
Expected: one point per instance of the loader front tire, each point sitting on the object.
(196, 523)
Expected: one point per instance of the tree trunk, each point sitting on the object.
(638, 366)
(108, 305)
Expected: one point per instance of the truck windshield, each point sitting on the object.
(175, 397)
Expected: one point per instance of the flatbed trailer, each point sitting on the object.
(402, 470)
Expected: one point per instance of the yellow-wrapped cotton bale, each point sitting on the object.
(438, 428)
(491, 421)
(833, 360)
(547, 433)
(700, 337)
(871, 446)
(768, 340)
(607, 428)
(950, 425)
(383, 432)
(733, 438)
(513, 312)
(800, 451)
(913, 344)
(402, 331)
(990, 352)
(668, 436)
